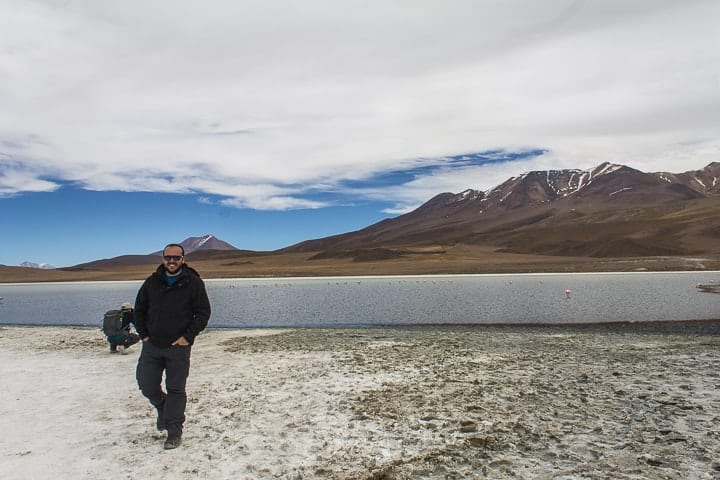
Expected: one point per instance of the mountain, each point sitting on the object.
(206, 245)
(608, 211)
(705, 181)
(41, 266)
(206, 242)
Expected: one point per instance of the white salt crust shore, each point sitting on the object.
(394, 403)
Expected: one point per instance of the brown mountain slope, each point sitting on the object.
(204, 247)
(705, 181)
(676, 228)
(609, 211)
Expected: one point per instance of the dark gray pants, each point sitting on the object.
(175, 362)
(127, 340)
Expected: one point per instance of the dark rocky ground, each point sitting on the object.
(627, 401)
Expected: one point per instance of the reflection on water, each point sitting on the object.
(454, 299)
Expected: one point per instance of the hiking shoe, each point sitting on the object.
(113, 349)
(122, 350)
(173, 441)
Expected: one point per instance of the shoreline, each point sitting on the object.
(379, 277)
(358, 403)
(700, 327)
(459, 259)
(610, 326)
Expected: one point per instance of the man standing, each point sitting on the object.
(171, 309)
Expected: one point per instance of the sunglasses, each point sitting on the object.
(176, 258)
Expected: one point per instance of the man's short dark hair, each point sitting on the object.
(174, 245)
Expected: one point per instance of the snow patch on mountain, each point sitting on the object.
(203, 240)
(468, 194)
(607, 168)
(41, 266)
(619, 191)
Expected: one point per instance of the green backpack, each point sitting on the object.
(112, 321)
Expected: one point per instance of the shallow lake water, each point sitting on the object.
(394, 300)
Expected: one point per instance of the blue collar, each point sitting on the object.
(171, 279)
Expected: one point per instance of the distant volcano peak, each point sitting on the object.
(205, 242)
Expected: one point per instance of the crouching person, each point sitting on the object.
(117, 328)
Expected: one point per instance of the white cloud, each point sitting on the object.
(271, 203)
(10, 180)
(226, 97)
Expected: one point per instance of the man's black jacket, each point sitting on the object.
(167, 312)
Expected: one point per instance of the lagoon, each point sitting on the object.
(394, 300)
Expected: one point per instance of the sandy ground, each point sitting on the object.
(400, 403)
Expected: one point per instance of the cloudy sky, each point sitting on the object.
(126, 125)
